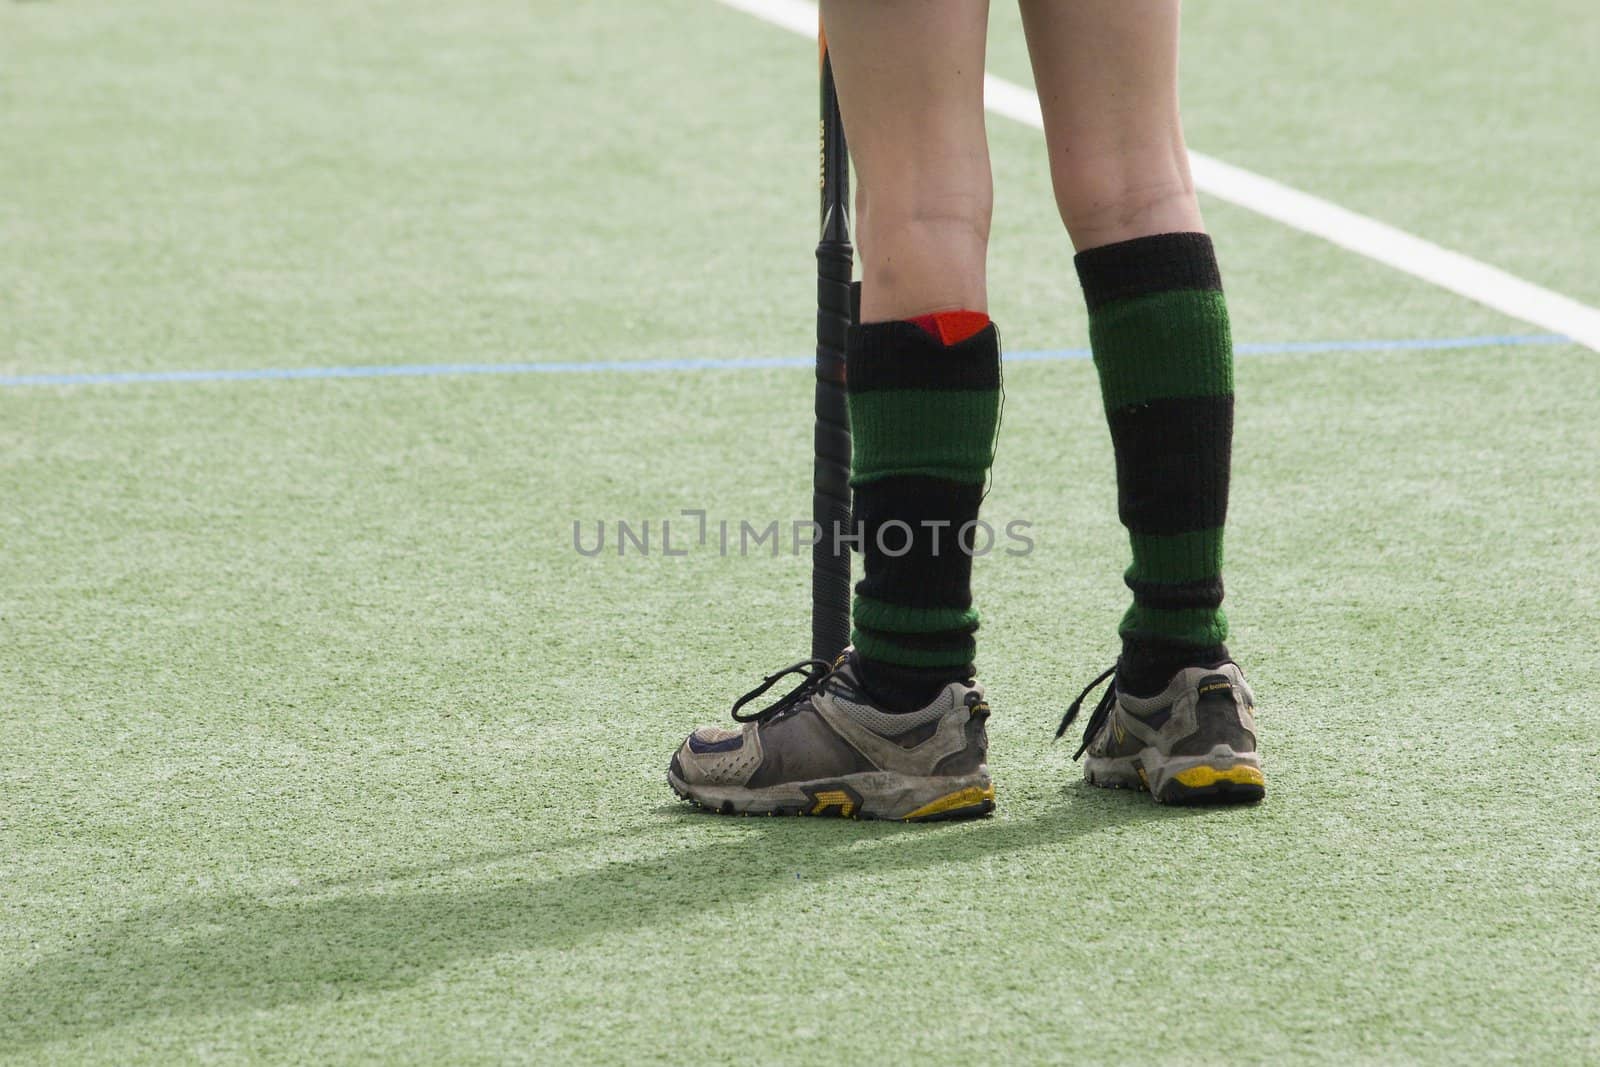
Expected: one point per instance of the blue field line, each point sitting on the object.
(439, 370)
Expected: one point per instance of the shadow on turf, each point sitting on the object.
(245, 953)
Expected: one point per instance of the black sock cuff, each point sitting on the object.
(902, 355)
(1162, 263)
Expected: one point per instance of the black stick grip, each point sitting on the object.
(836, 305)
(830, 499)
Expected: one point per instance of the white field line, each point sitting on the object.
(1461, 274)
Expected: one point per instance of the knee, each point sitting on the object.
(1118, 193)
(919, 260)
(927, 218)
(923, 235)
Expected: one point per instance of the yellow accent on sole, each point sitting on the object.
(834, 798)
(1202, 776)
(961, 798)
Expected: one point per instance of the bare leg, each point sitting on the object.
(1107, 74)
(923, 395)
(910, 78)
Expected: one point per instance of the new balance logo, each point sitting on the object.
(841, 797)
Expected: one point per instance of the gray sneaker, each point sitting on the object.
(1193, 743)
(825, 749)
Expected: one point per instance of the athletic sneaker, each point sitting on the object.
(826, 749)
(1193, 743)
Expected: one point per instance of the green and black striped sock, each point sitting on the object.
(924, 401)
(1158, 324)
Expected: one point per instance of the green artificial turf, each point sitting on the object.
(319, 742)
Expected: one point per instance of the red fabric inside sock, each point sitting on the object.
(952, 327)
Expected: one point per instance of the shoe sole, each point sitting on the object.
(871, 795)
(1221, 776)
